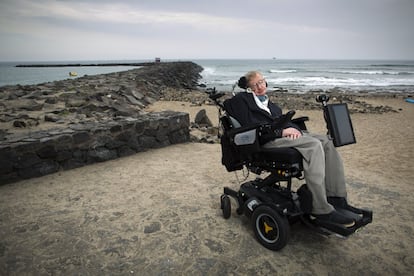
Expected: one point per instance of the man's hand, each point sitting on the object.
(291, 133)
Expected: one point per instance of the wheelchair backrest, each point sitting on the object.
(237, 143)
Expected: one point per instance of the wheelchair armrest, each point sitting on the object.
(258, 134)
(233, 132)
(300, 122)
(244, 140)
(250, 138)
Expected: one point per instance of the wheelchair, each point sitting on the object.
(270, 202)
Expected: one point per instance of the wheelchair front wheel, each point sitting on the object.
(225, 206)
(271, 228)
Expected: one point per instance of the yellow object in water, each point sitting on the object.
(73, 74)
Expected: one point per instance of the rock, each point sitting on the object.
(202, 136)
(152, 228)
(6, 166)
(137, 95)
(75, 102)
(150, 100)
(51, 117)
(25, 121)
(48, 151)
(134, 101)
(3, 134)
(202, 119)
(20, 124)
(101, 154)
(25, 104)
(51, 100)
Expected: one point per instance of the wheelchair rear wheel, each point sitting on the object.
(271, 228)
(225, 206)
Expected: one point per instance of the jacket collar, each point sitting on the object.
(251, 103)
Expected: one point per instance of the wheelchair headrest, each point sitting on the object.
(242, 83)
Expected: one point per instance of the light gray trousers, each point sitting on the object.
(322, 165)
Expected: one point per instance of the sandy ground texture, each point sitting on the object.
(158, 213)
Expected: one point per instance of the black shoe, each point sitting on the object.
(335, 217)
(341, 203)
(338, 202)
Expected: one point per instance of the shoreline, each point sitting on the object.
(368, 80)
(60, 100)
(346, 90)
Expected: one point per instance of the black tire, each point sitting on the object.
(271, 228)
(225, 206)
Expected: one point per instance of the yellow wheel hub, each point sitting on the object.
(267, 228)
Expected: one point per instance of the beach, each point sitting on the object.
(158, 212)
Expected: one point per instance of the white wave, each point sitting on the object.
(324, 81)
(282, 71)
(208, 71)
(371, 72)
(224, 82)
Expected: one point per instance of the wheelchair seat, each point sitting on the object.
(281, 156)
(241, 147)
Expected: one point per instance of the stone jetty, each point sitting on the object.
(37, 65)
(66, 124)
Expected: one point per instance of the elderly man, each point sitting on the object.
(323, 168)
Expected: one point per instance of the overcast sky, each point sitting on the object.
(46, 30)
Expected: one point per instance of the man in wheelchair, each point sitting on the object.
(258, 136)
(322, 164)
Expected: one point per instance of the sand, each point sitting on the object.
(157, 212)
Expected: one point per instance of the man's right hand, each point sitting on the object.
(291, 133)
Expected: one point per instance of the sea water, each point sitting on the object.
(294, 75)
(305, 75)
(12, 75)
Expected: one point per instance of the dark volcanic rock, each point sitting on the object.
(108, 96)
(202, 119)
(71, 123)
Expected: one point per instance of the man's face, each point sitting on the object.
(258, 85)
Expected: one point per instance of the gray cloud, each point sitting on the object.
(64, 30)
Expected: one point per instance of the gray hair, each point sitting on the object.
(250, 75)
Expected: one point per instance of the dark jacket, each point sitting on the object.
(244, 109)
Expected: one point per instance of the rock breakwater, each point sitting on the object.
(65, 124)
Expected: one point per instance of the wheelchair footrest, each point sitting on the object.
(361, 216)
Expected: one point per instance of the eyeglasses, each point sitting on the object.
(259, 83)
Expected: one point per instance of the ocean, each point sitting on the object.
(307, 75)
(298, 76)
(12, 75)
